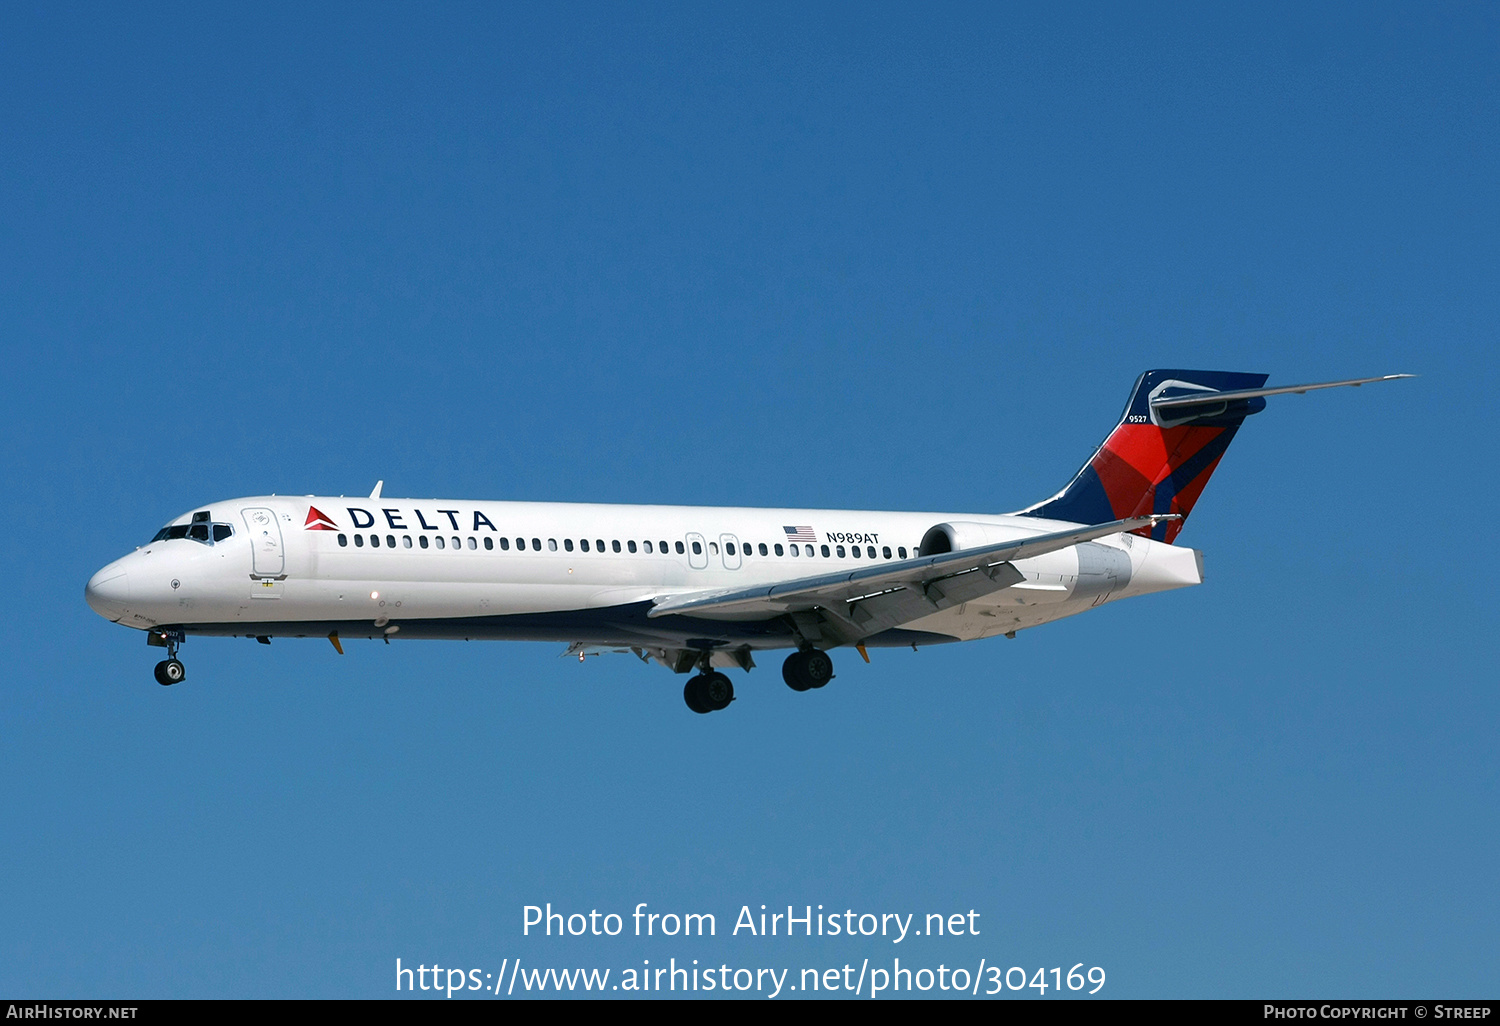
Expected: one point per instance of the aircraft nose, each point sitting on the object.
(108, 592)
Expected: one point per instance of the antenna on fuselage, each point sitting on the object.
(378, 485)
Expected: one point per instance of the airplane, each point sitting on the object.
(695, 589)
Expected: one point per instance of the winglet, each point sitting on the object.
(378, 485)
(333, 636)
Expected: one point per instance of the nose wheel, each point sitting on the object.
(170, 670)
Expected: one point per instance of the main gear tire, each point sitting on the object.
(807, 669)
(717, 691)
(693, 695)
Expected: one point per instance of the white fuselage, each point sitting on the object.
(581, 573)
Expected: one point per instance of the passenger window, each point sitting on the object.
(728, 548)
(222, 532)
(343, 541)
(489, 543)
(631, 545)
(374, 541)
(536, 543)
(552, 544)
(763, 551)
(870, 551)
(854, 549)
(697, 548)
(472, 543)
(458, 543)
(440, 543)
(406, 541)
(422, 540)
(663, 549)
(199, 532)
(568, 545)
(599, 546)
(647, 546)
(778, 549)
(390, 541)
(505, 544)
(825, 551)
(359, 541)
(886, 552)
(616, 546)
(901, 552)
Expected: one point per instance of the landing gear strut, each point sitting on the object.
(708, 692)
(170, 670)
(807, 669)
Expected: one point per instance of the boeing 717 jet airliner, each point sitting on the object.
(694, 588)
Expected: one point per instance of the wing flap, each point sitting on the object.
(876, 613)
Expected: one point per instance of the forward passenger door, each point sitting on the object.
(265, 543)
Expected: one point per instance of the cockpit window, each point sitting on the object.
(198, 531)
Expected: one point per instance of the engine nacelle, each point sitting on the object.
(1101, 570)
(963, 534)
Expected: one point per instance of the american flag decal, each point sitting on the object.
(800, 534)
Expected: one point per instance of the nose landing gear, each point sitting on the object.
(170, 670)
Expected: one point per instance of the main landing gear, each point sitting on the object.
(807, 669)
(170, 670)
(711, 691)
(708, 692)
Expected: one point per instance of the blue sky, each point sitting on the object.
(848, 255)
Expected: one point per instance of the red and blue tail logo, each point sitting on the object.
(1151, 462)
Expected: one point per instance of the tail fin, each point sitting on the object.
(1160, 455)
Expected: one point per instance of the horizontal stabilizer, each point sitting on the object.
(1208, 398)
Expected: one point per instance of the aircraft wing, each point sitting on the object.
(859, 603)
